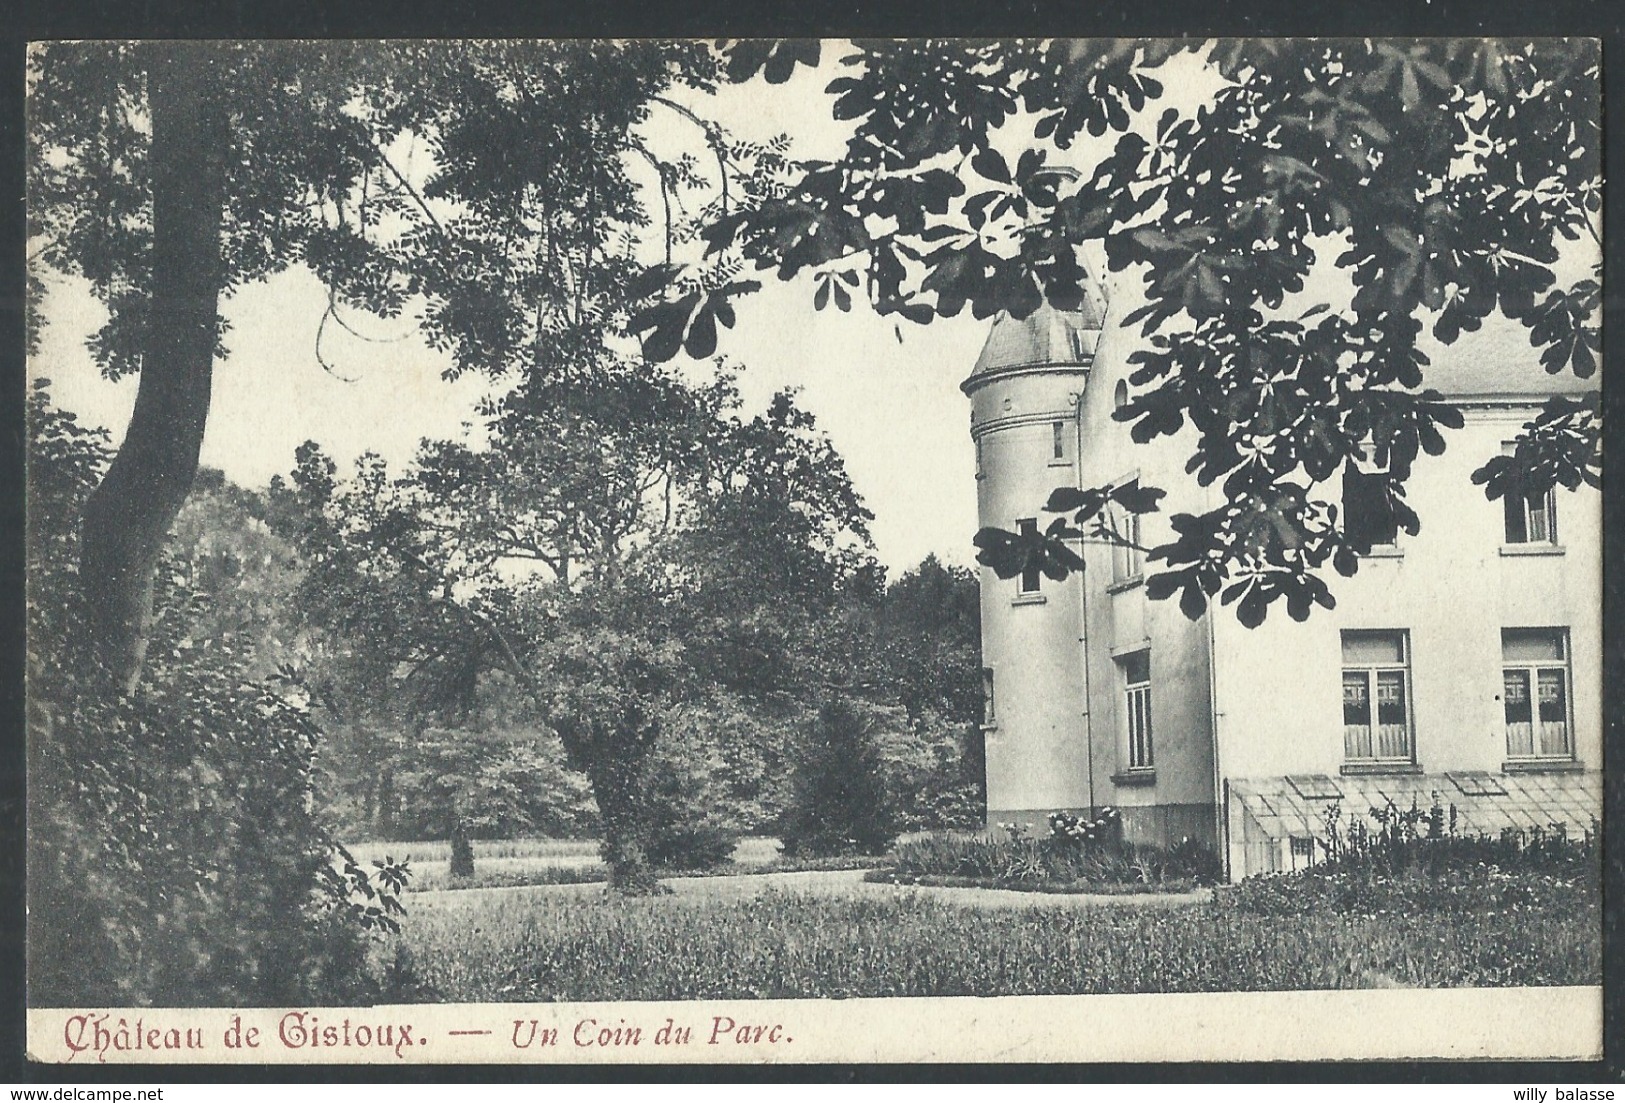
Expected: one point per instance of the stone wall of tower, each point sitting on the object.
(1175, 798)
(1037, 737)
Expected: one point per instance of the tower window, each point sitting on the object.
(1530, 518)
(1120, 395)
(1057, 440)
(1031, 576)
(1136, 670)
(1127, 559)
(990, 714)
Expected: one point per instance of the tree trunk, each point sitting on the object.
(127, 519)
(385, 824)
(617, 786)
(462, 851)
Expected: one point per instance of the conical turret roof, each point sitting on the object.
(1046, 336)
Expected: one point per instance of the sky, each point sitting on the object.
(893, 410)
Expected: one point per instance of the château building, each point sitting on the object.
(1461, 666)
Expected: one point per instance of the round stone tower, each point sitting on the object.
(1024, 393)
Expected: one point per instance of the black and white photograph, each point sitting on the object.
(812, 550)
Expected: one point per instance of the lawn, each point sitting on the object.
(753, 850)
(542, 946)
(511, 863)
(551, 851)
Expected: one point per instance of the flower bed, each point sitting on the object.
(1412, 863)
(1363, 892)
(1075, 856)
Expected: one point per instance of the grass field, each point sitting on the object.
(554, 851)
(512, 863)
(497, 863)
(754, 850)
(581, 946)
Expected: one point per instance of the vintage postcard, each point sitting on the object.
(814, 551)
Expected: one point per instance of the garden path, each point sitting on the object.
(846, 882)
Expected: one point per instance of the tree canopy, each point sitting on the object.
(483, 186)
(1442, 177)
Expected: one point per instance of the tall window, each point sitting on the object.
(1031, 576)
(1376, 697)
(1057, 440)
(1535, 677)
(1137, 708)
(1127, 559)
(1120, 394)
(990, 714)
(1531, 518)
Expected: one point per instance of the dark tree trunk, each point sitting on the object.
(618, 788)
(462, 850)
(127, 518)
(384, 824)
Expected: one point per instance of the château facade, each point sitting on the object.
(1460, 666)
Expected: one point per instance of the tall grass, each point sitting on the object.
(575, 946)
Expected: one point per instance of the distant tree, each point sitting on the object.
(1440, 176)
(931, 628)
(225, 546)
(494, 773)
(931, 650)
(839, 803)
(908, 655)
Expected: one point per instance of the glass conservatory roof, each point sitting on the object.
(1485, 803)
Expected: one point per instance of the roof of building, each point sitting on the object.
(1496, 359)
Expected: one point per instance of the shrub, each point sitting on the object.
(1196, 860)
(173, 856)
(1070, 832)
(688, 814)
(838, 801)
(692, 846)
